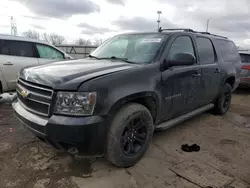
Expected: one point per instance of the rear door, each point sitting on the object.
(48, 54)
(15, 55)
(209, 69)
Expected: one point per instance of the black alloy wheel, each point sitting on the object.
(129, 135)
(134, 136)
(223, 101)
(227, 99)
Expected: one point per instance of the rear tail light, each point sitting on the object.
(247, 67)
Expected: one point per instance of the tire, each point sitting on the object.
(1, 88)
(223, 101)
(122, 134)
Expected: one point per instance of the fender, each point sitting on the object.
(151, 96)
(120, 87)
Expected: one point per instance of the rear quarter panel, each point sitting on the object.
(228, 68)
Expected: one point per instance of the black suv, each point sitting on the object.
(111, 102)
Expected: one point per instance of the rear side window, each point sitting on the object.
(245, 58)
(205, 50)
(48, 52)
(4, 49)
(17, 48)
(228, 50)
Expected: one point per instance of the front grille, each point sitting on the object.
(37, 99)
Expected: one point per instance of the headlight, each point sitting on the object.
(75, 103)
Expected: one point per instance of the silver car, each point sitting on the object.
(245, 69)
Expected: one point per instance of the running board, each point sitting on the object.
(170, 123)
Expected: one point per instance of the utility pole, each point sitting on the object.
(208, 20)
(159, 18)
(13, 26)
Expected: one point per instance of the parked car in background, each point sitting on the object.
(110, 103)
(19, 52)
(245, 69)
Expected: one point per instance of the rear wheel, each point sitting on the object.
(129, 135)
(223, 101)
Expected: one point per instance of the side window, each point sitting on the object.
(182, 44)
(17, 48)
(48, 52)
(228, 50)
(248, 58)
(205, 50)
(245, 58)
(4, 47)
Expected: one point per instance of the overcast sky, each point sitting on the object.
(104, 18)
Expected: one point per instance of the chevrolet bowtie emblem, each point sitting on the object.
(25, 93)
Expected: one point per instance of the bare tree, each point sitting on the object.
(56, 39)
(82, 42)
(31, 34)
(53, 38)
(45, 37)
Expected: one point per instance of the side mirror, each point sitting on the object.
(180, 59)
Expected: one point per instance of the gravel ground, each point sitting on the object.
(223, 161)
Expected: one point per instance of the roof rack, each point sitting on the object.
(175, 29)
(207, 33)
(190, 30)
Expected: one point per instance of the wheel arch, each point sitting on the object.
(148, 99)
(230, 80)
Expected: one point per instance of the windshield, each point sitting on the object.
(137, 48)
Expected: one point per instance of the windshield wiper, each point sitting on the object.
(91, 56)
(119, 58)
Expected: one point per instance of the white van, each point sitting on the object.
(19, 52)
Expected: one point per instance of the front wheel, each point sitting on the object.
(129, 135)
(223, 101)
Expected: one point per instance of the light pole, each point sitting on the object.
(159, 17)
(208, 20)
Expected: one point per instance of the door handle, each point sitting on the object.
(196, 75)
(217, 70)
(8, 63)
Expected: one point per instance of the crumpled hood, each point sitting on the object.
(70, 74)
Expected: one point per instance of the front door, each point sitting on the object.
(15, 55)
(180, 84)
